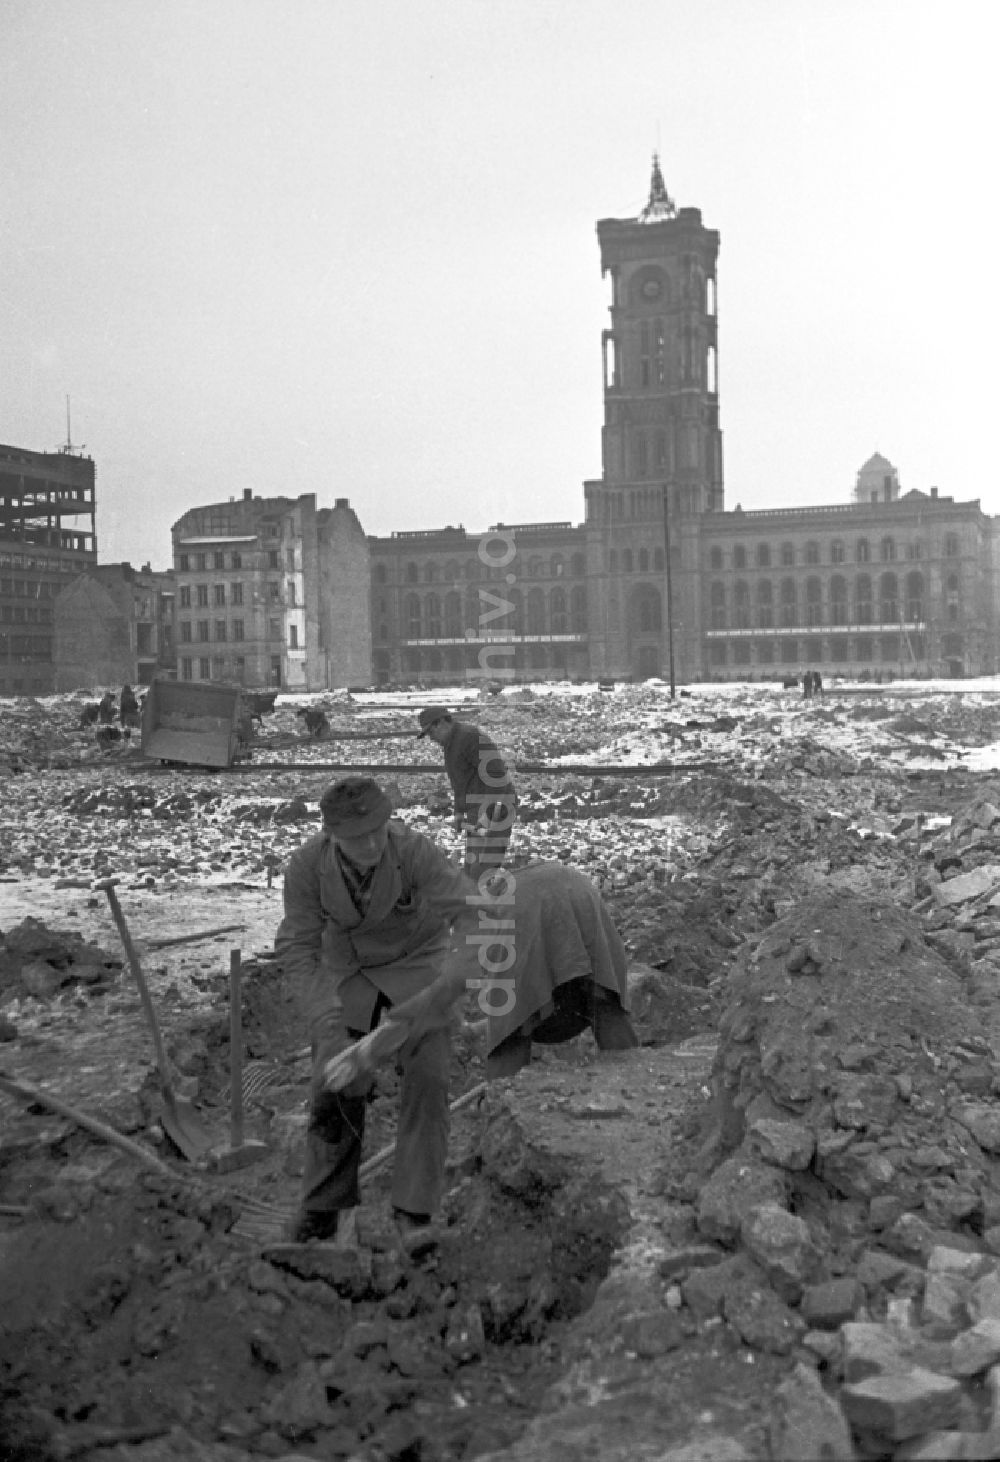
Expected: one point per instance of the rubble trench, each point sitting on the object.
(815, 1247)
(133, 1311)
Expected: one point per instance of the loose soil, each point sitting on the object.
(140, 1317)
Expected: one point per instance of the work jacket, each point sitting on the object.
(478, 774)
(338, 959)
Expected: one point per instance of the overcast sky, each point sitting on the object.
(348, 246)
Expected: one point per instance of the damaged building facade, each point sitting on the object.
(47, 536)
(272, 592)
(114, 625)
(659, 579)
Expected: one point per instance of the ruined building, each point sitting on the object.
(114, 625)
(47, 534)
(272, 592)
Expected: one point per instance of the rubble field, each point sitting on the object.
(769, 1234)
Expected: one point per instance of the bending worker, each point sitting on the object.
(485, 800)
(374, 913)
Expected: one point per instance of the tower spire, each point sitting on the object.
(660, 205)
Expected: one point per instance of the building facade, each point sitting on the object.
(47, 535)
(114, 625)
(271, 592)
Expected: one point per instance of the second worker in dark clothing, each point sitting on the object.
(485, 800)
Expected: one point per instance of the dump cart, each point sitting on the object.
(198, 723)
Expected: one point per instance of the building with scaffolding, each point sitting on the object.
(47, 535)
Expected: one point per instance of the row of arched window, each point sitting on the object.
(627, 561)
(762, 556)
(472, 570)
(451, 616)
(864, 601)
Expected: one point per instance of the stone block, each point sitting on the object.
(737, 1186)
(806, 1422)
(873, 1350)
(787, 1145)
(902, 1405)
(976, 1349)
(944, 1309)
(782, 1245)
(826, 1306)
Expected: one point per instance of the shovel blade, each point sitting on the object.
(183, 1125)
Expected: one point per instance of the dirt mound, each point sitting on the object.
(147, 1317)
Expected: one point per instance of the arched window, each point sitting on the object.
(413, 615)
(644, 560)
(739, 557)
(812, 552)
(430, 572)
(788, 555)
(412, 573)
(951, 599)
(453, 614)
(863, 599)
(612, 560)
(715, 560)
(763, 555)
(535, 569)
(718, 603)
(914, 597)
(951, 546)
(557, 567)
(741, 604)
(628, 562)
(536, 612)
(887, 550)
(765, 604)
(888, 594)
(789, 604)
(862, 551)
(814, 602)
(838, 599)
(432, 616)
(578, 609)
(837, 551)
(557, 611)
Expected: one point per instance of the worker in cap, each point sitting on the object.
(374, 914)
(485, 800)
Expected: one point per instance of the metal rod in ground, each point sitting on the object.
(235, 1051)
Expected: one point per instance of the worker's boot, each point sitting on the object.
(417, 1234)
(613, 1031)
(314, 1227)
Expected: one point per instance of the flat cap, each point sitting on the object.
(431, 714)
(354, 806)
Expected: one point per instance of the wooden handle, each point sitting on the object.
(235, 1051)
(147, 1003)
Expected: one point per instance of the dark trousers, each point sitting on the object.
(337, 1127)
(485, 852)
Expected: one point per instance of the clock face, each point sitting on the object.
(651, 289)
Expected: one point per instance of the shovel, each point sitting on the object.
(180, 1121)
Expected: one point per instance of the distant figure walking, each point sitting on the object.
(807, 684)
(817, 683)
(106, 708)
(128, 710)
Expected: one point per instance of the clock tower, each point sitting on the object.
(661, 440)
